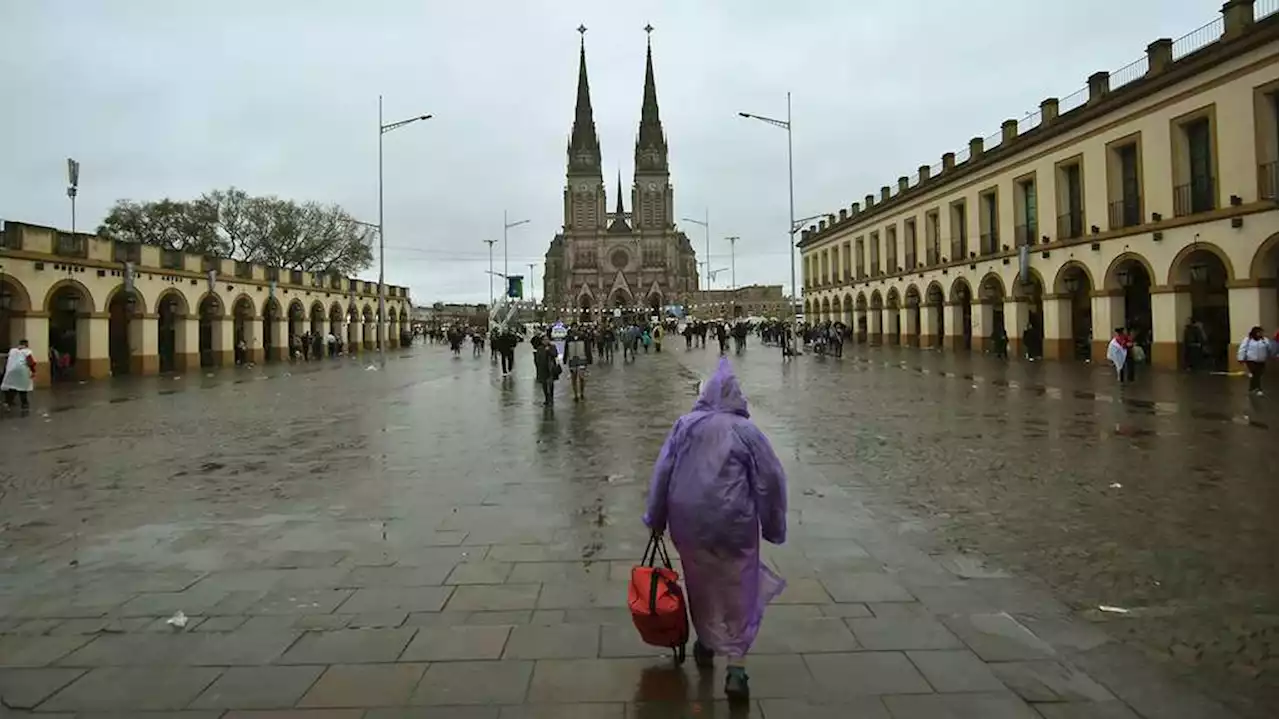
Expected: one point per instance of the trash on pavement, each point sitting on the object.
(1115, 485)
(178, 620)
(1112, 610)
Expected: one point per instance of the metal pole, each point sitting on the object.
(505, 227)
(791, 201)
(706, 228)
(73, 213)
(490, 244)
(382, 255)
(733, 265)
(533, 293)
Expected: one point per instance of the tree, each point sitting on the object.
(230, 223)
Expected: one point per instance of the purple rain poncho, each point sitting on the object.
(718, 485)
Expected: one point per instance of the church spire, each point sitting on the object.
(651, 145)
(584, 144)
(619, 210)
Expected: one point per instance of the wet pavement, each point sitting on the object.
(426, 540)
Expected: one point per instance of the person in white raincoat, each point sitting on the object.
(1118, 354)
(19, 373)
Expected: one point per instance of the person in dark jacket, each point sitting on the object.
(547, 367)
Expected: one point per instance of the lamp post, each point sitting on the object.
(733, 272)
(384, 128)
(533, 294)
(791, 192)
(490, 243)
(73, 188)
(706, 231)
(506, 226)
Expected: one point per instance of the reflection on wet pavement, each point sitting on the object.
(428, 539)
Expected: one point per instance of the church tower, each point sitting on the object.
(584, 198)
(651, 198)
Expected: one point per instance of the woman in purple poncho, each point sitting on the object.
(719, 485)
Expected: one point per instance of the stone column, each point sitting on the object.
(859, 321)
(187, 343)
(368, 338)
(280, 336)
(353, 338)
(252, 340)
(34, 328)
(909, 328)
(1107, 307)
(1170, 310)
(954, 326)
(224, 342)
(1057, 327)
(876, 327)
(93, 345)
(144, 344)
(1249, 305)
(932, 316)
(1016, 315)
(890, 329)
(985, 321)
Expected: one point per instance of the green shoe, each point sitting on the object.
(735, 685)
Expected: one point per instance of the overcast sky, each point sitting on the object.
(169, 99)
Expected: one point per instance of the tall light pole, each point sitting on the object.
(791, 194)
(506, 226)
(706, 230)
(532, 293)
(73, 188)
(382, 245)
(490, 243)
(733, 266)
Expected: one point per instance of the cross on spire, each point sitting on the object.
(582, 30)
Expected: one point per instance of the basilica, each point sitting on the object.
(604, 260)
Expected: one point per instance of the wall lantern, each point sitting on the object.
(68, 303)
(1072, 282)
(1199, 273)
(6, 299)
(1124, 278)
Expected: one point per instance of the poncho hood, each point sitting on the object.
(722, 393)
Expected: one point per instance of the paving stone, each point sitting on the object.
(614, 710)
(37, 651)
(1113, 709)
(133, 689)
(850, 609)
(598, 615)
(436, 619)
(364, 685)
(239, 648)
(398, 576)
(555, 641)
(1045, 681)
(35, 626)
(594, 595)
(316, 622)
(803, 591)
(376, 620)
(877, 633)
(547, 572)
(25, 688)
(301, 601)
(510, 618)
(998, 637)
(455, 712)
(166, 603)
(134, 650)
(294, 714)
(773, 676)
(854, 708)
(970, 566)
(533, 553)
(1060, 632)
(348, 646)
(621, 640)
(795, 612)
(957, 600)
(958, 706)
(441, 644)
(827, 634)
(831, 549)
(258, 688)
(221, 624)
(495, 682)
(397, 599)
(606, 680)
(485, 572)
(844, 675)
(864, 587)
(955, 670)
(551, 616)
(497, 597)
(269, 579)
(101, 625)
(900, 610)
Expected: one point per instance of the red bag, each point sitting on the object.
(657, 602)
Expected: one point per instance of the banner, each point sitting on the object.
(515, 286)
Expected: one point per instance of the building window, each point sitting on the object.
(890, 250)
(69, 245)
(1026, 215)
(1193, 162)
(909, 244)
(1070, 199)
(875, 254)
(859, 258)
(959, 230)
(127, 252)
(1124, 183)
(244, 270)
(932, 238)
(988, 223)
(1267, 128)
(848, 262)
(295, 277)
(171, 259)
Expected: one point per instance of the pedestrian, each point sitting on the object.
(505, 344)
(1255, 350)
(546, 367)
(718, 485)
(331, 343)
(1120, 354)
(1000, 342)
(19, 374)
(575, 356)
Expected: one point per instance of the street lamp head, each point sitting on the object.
(425, 117)
(744, 114)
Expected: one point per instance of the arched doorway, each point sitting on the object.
(655, 304)
(912, 300)
(15, 303)
(367, 328)
(962, 314)
(242, 331)
(210, 331)
(1027, 330)
(1205, 276)
(876, 319)
(1133, 280)
(353, 330)
(584, 308)
(893, 331)
(935, 302)
(335, 320)
(69, 307)
(317, 319)
(123, 311)
(1074, 282)
(860, 313)
(826, 310)
(991, 298)
(297, 321)
(271, 344)
(1265, 270)
(171, 313)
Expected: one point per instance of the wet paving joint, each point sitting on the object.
(431, 541)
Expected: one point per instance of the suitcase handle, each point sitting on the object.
(657, 548)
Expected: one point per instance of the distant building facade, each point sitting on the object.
(748, 301)
(604, 260)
